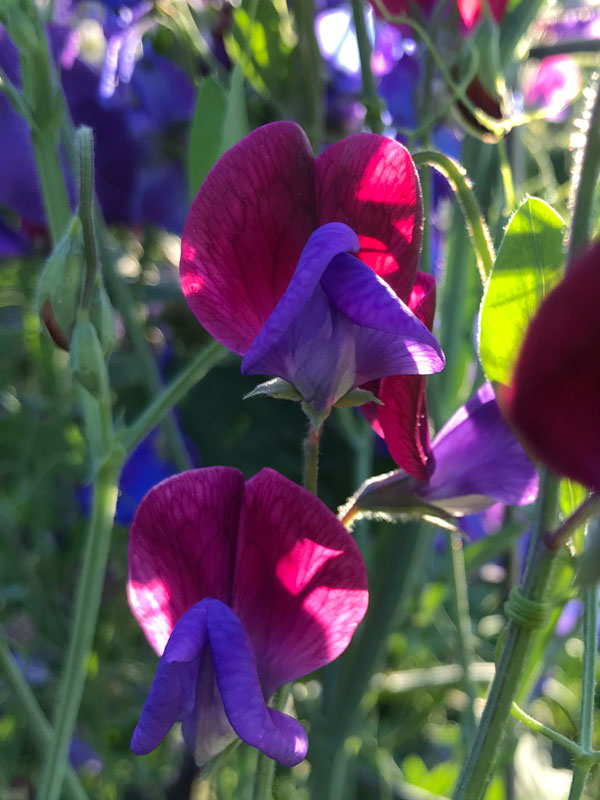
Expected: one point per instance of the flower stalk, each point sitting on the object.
(370, 99)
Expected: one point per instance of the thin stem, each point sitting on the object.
(85, 153)
(310, 58)
(37, 719)
(586, 173)
(478, 230)
(463, 627)
(370, 99)
(507, 179)
(56, 201)
(311, 458)
(210, 355)
(563, 47)
(579, 517)
(84, 624)
(539, 727)
(265, 767)
(588, 690)
(479, 766)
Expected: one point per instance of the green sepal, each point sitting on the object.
(277, 388)
(86, 357)
(103, 319)
(391, 497)
(357, 397)
(59, 285)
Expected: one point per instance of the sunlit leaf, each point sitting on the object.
(528, 265)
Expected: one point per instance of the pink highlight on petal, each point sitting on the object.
(300, 565)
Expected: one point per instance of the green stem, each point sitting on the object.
(564, 47)
(210, 355)
(37, 719)
(370, 99)
(84, 625)
(463, 627)
(265, 767)
(479, 766)
(539, 727)
(311, 458)
(310, 59)
(85, 153)
(54, 192)
(123, 299)
(478, 230)
(579, 517)
(586, 173)
(588, 690)
(507, 179)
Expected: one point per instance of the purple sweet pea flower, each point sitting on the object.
(478, 462)
(241, 587)
(553, 85)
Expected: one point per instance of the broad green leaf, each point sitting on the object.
(220, 120)
(207, 129)
(528, 265)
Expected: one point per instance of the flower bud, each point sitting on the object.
(102, 317)
(87, 359)
(59, 285)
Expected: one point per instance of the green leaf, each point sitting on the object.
(528, 265)
(571, 496)
(588, 564)
(220, 120)
(207, 128)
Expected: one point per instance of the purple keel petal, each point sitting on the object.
(479, 460)
(276, 734)
(389, 338)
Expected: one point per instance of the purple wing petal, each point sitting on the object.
(389, 338)
(276, 734)
(479, 459)
(172, 696)
(303, 341)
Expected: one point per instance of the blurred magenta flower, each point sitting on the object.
(554, 398)
(470, 10)
(266, 262)
(476, 461)
(242, 587)
(553, 85)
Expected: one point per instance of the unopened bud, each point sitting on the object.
(102, 317)
(59, 285)
(86, 357)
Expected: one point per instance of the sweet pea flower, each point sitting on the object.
(476, 461)
(553, 85)
(303, 266)
(241, 587)
(554, 397)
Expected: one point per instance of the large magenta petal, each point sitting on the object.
(300, 586)
(246, 230)
(370, 183)
(182, 547)
(479, 460)
(556, 385)
(389, 339)
(402, 419)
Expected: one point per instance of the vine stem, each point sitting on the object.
(463, 628)
(371, 99)
(311, 458)
(481, 760)
(478, 230)
(588, 689)
(39, 724)
(84, 624)
(210, 355)
(310, 56)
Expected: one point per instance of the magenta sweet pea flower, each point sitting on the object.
(241, 587)
(304, 266)
(476, 461)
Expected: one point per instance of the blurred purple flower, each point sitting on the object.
(553, 86)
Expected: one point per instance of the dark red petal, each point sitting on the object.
(300, 585)
(555, 394)
(370, 183)
(246, 230)
(402, 419)
(182, 547)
